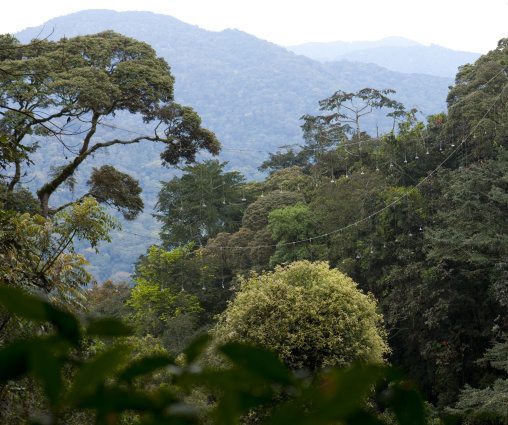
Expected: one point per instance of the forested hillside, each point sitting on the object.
(249, 92)
(372, 265)
(417, 217)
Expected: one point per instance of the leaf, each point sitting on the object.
(343, 391)
(144, 366)
(29, 307)
(233, 404)
(289, 414)
(95, 372)
(196, 347)
(116, 400)
(14, 360)
(23, 305)
(407, 405)
(361, 417)
(65, 322)
(46, 367)
(258, 361)
(109, 328)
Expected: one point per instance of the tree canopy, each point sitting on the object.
(204, 201)
(311, 315)
(68, 87)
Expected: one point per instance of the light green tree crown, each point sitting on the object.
(311, 315)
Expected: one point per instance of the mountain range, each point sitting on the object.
(250, 92)
(394, 53)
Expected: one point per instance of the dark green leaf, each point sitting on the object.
(232, 405)
(14, 360)
(258, 361)
(117, 400)
(196, 347)
(46, 367)
(109, 328)
(65, 322)
(407, 405)
(144, 366)
(361, 417)
(289, 414)
(22, 304)
(95, 372)
(29, 307)
(343, 391)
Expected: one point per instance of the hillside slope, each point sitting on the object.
(250, 92)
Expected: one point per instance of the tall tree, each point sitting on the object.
(70, 86)
(340, 127)
(311, 315)
(201, 203)
(347, 110)
(159, 295)
(477, 105)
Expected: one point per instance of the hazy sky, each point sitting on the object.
(457, 24)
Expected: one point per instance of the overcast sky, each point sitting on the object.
(473, 26)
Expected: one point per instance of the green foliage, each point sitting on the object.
(487, 405)
(281, 160)
(289, 226)
(280, 190)
(20, 200)
(256, 215)
(483, 406)
(37, 253)
(114, 188)
(108, 300)
(477, 88)
(87, 221)
(184, 134)
(200, 204)
(473, 206)
(158, 295)
(105, 386)
(311, 315)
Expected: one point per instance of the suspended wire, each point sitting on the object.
(231, 149)
(343, 144)
(393, 203)
(403, 196)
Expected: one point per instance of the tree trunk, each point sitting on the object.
(47, 190)
(44, 199)
(17, 175)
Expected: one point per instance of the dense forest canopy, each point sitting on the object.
(215, 73)
(412, 220)
(69, 86)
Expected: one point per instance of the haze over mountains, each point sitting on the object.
(250, 92)
(395, 53)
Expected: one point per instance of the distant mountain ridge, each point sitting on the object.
(329, 51)
(250, 92)
(394, 53)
